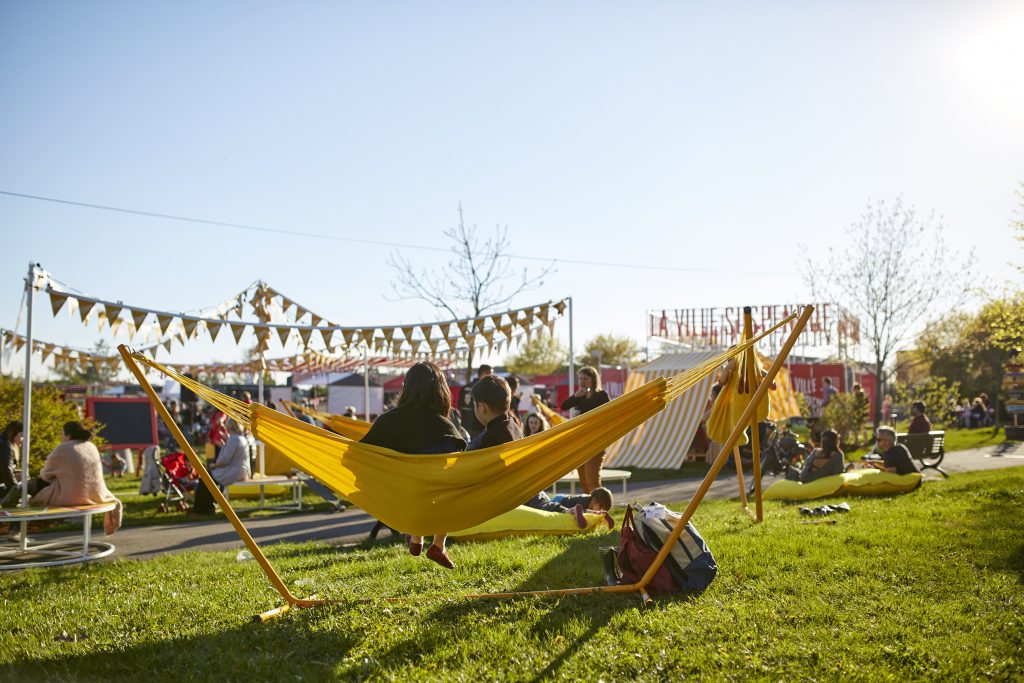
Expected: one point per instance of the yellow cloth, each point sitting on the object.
(524, 521)
(427, 494)
(353, 428)
(551, 416)
(732, 401)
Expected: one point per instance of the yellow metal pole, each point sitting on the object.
(204, 475)
(755, 432)
(730, 443)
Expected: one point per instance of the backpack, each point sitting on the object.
(689, 567)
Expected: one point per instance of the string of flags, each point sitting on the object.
(280, 318)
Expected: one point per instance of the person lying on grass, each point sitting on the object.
(895, 456)
(599, 500)
(419, 424)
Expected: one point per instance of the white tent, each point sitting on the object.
(662, 441)
(351, 391)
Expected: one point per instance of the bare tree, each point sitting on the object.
(479, 278)
(894, 273)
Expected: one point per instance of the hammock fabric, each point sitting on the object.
(732, 401)
(427, 494)
(346, 426)
(551, 416)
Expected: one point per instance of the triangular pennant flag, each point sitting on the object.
(286, 304)
(167, 344)
(425, 330)
(462, 325)
(432, 343)
(528, 316)
(315, 320)
(542, 312)
(346, 334)
(139, 317)
(388, 332)
(237, 330)
(509, 331)
(408, 332)
(496, 319)
(378, 345)
(415, 346)
(367, 335)
(283, 333)
(19, 343)
(188, 325)
(304, 333)
(84, 307)
(489, 336)
(444, 327)
(213, 328)
(113, 364)
(551, 327)
(478, 324)
(57, 300)
(300, 312)
(113, 312)
(47, 350)
(164, 321)
(452, 343)
(560, 307)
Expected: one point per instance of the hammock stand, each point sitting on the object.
(640, 587)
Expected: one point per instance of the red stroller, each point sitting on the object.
(177, 479)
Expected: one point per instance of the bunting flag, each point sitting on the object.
(283, 333)
(304, 334)
(139, 317)
(213, 328)
(188, 326)
(57, 300)
(237, 330)
(84, 307)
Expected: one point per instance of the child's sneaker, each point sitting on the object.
(581, 521)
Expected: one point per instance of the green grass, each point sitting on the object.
(924, 586)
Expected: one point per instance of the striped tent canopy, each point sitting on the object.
(662, 441)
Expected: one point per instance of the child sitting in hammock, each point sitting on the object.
(420, 424)
(598, 500)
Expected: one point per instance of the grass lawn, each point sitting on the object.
(924, 586)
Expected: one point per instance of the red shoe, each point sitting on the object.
(581, 521)
(441, 557)
(414, 548)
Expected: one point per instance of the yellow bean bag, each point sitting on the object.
(524, 521)
(245, 489)
(857, 483)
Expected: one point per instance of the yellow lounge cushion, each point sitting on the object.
(866, 482)
(524, 521)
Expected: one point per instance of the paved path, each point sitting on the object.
(353, 525)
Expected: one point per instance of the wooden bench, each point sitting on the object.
(573, 478)
(20, 551)
(928, 449)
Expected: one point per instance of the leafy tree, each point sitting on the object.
(64, 374)
(937, 394)
(894, 273)
(609, 349)
(542, 355)
(49, 413)
(478, 279)
(843, 414)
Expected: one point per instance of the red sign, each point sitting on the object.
(809, 380)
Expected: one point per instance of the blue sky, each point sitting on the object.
(718, 138)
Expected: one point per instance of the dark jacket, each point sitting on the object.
(835, 464)
(414, 430)
(920, 425)
(7, 459)
(501, 429)
(899, 457)
(588, 402)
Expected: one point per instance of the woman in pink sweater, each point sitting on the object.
(73, 475)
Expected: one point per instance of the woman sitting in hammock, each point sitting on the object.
(420, 424)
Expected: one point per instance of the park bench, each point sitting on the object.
(19, 551)
(607, 476)
(928, 449)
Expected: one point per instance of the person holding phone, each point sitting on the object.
(590, 395)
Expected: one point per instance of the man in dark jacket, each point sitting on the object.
(466, 408)
(895, 456)
(491, 400)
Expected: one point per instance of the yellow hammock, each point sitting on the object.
(427, 494)
(551, 416)
(350, 427)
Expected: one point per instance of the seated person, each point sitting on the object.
(895, 456)
(73, 475)
(920, 424)
(491, 401)
(232, 464)
(419, 424)
(10, 442)
(598, 500)
(535, 424)
(824, 461)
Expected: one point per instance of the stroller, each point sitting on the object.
(177, 479)
(779, 451)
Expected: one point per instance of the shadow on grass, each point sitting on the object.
(237, 653)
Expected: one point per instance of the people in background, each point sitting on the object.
(978, 412)
(73, 475)
(919, 424)
(965, 414)
(887, 410)
(10, 446)
(824, 461)
(419, 424)
(827, 392)
(535, 424)
(895, 456)
(513, 410)
(599, 500)
(590, 395)
(218, 434)
(350, 411)
(233, 463)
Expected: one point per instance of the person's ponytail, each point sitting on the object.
(76, 432)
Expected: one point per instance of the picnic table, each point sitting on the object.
(573, 479)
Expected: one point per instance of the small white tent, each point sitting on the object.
(351, 391)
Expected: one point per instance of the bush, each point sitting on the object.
(844, 415)
(49, 413)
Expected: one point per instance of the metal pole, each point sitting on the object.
(26, 417)
(366, 382)
(753, 381)
(572, 353)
